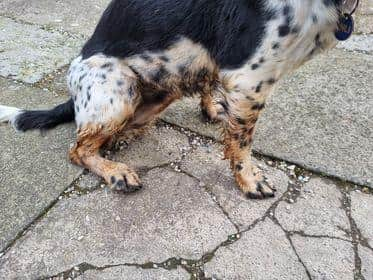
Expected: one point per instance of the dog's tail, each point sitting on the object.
(24, 120)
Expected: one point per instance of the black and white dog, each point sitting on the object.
(145, 54)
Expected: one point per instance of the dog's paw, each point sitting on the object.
(127, 182)
(261, 191)
(208, 116)
(255, 185)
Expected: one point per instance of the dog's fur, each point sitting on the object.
(145, 54)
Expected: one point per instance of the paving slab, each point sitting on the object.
(262, 253)
(317, 211)
(361, 210)
(362, 43)
(133, 273)
(364, 17)
(170, 217)
(74, 16)
(28, 52)
(326, 258)
(34, 168)
(320, 118)
(156, 147)
(187, 113)
(206, 164)
(366, 256)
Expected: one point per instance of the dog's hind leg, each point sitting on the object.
(105, 96)
(86, 153)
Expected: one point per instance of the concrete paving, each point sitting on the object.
(34, 168)
(327, 258)
(317, 212)
(77, 17)
(28, 52)
(190, 221)
(133, 273)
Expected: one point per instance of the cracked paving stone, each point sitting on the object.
(158, 146)
(326, 258)
(28, 52)
(206, 164)
(34, 169)
(262, 253)
(133, 273)
(362, 210)
(317, 211)
(366, 256)
(170, 217)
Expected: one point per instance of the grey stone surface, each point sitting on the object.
(206, 164)
(34, 168)
(88, 181)
(262, 253)
(187, 113)
(74, 16)
(157, 147)
(326, 258)
(320, 118)
(133, 273)
(316, 212)
(364, 17)
(170, 217)
(358, 43)
(366, 256)
(28, 52)
(361, 210)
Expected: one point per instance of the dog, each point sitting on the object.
(145, 54)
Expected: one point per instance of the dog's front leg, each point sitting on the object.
(243, 107)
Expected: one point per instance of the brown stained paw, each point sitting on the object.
(127, 182)
(210, 117)
(254, 185)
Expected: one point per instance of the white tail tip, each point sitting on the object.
(9, 114)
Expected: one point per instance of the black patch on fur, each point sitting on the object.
(283, 30)
(160, 74)
(230, 30)
(240, 121)
(164, 58)
(275, 46)
(239, 167)
(107, 65)
(271, 81)
(258, 106)
(146, 57)
(46, 119)
(254, 66)
(259, 87)
(314, 18)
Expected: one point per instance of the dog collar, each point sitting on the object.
(345, 25)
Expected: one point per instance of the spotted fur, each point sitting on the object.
(145, 54)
